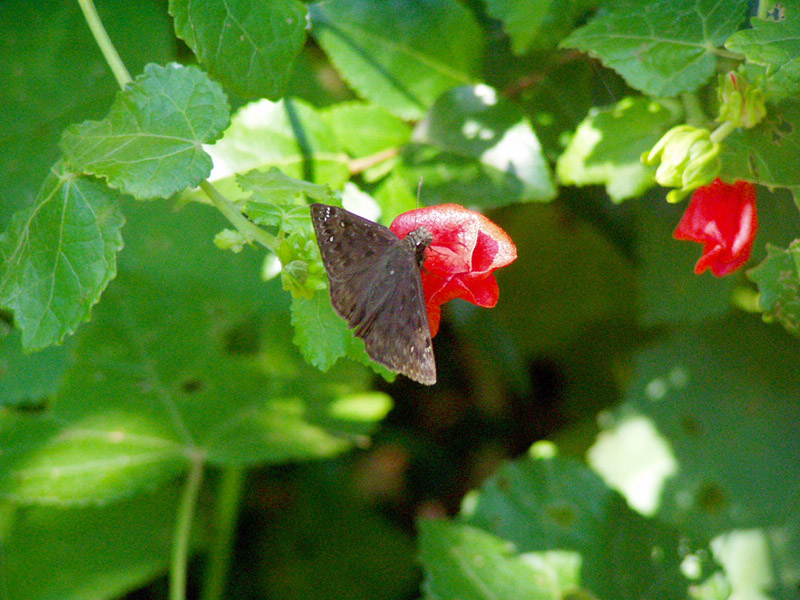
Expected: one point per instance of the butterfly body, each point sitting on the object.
(376, 286)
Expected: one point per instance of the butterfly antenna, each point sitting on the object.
(419, 190)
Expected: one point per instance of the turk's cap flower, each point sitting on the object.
(722, 217)
(466, 249)
(740, 102)
(687, 159)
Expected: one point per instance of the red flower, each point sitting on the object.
(723, 218)
(466, 249)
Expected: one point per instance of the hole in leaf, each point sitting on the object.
(691, 426)
(191, 386)
(562, 514)
(710, 498)
(242, 339)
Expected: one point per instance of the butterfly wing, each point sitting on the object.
(376, 287)
(397, 334)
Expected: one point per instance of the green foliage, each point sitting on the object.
(58, 256)
(249, 46)
(772, 45)
(400, 56)
(149, 146)
(145, 368)
(778, 278)
(595, 156)
(662, 48)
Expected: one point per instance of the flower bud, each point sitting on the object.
(686, 158)
(740, 102)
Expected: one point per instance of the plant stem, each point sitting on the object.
(721, 132)
(104, 42)
(251, 232)
(695, 114)
(228, 501)
(183, 529)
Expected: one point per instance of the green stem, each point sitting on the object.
(250, 232)
(721, 132)
(183, 529)
(228, 501)
(695, 115)
(104, 42)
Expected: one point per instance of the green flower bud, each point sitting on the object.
(686, 158)
(740, 102)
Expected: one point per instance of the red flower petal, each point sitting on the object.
(723, 218)
(466, 249)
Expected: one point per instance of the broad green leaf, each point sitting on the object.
(150, 144)
(358, 552)
(156, 380)
(49, 462)
(536, 24)
(395, 197)
(474, 122)
(53, 75)
(774, 45)
(778, 279)
(275, 187)
(766, 154)
(576, 281)
(724, 396)
(669, 289)
(365, 129)
(323, 336)
(29, 379)
(250, 46)
(289, 135)
(398, 55)
(547, 503)
(460, 561)
(59, 255)
(607, 147)
(660, 47)
(90, 553)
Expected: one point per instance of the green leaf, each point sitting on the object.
(323, 336)
(536, 24)
(289, 135)
(460, 561)
(279, 201)
(400, 56)
(365, 129)
(155, 381)
(669, 291)
(660, 47)
(724, 396)
(28, 379)
(474, 122)
(106, 457)
(59, 255)
(608, 144)
(150, 144)
(249, 46)
(774, 45)
(358, 552)
(549, 503)
(778, 279)
(53, 75)
(90, 553)
(766, 154)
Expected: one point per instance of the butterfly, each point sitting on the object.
(376, 286)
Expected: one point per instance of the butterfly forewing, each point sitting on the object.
(376, 287)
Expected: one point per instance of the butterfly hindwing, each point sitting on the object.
(376, 287)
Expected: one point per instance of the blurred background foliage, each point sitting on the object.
(671, 414)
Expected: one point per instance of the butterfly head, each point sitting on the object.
(420, 239)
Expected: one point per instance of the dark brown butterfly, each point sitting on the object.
(376, 287)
